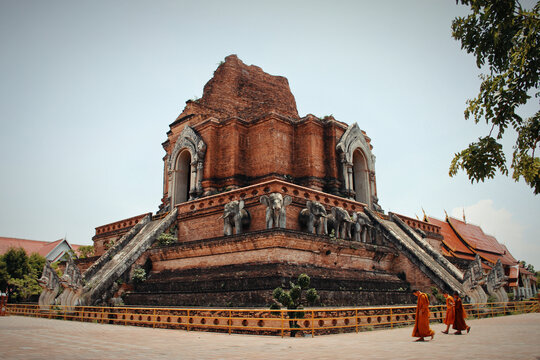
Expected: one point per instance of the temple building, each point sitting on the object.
(52, 251)
(254, 195)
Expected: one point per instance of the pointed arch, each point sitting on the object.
(185, 166)
(357, 165)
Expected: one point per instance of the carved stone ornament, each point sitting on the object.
(351, 140)
(50, 282)
(276, 213)
(190, 140)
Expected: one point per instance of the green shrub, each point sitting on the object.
(139, 275)
(166, 239)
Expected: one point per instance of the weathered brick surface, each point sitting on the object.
(247, 91)
(250, 140)
(199, 219)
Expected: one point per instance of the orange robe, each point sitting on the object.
(459, 322)
(421, 321)
(450, 311)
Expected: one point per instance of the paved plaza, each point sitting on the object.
(509, 337)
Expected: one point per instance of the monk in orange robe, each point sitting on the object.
(450, 312)
(460, 315)
(421, 321)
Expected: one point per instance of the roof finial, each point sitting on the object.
(445, 215)
(464, 219)
(425, 216)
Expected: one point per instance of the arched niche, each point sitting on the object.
(185, 166)
(182, 178)
(357, 166)
(360, 173)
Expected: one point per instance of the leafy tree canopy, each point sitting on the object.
(505, 39)
(20, 272)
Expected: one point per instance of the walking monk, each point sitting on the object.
(421, 321)
(460, 315)
(450, 312)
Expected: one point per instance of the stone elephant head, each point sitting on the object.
(360, 227)
(234, 215)
(342, 222)
(313, 218)
(276, 215)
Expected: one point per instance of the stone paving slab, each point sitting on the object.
(508, 337)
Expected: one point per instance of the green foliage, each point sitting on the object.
(56, 267)
(438, 296)
(20, 273)
(303, 281)
(510, 296)
(529, 267)
(295, 292)
(166, 239)
(505, 39)
(312, 296)
(25, 287)
(16, 262)
(68, 254)
(491, 299)
(86, 251)
(292, 299)
(4, 275)
(139, 275)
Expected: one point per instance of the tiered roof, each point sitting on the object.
(465, 241)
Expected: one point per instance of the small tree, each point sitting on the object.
(292, 299)
(20, 273)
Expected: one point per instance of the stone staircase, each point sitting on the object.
(446, 276)
(118, 259)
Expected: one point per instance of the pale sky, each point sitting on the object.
(88, 89)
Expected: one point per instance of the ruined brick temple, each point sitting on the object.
(255, 195)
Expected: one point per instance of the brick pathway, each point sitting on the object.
(509, 337)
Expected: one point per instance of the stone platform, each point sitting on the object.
(508, 337)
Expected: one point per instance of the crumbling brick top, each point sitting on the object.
(247, 92)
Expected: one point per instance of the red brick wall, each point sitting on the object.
(199, 219)
(241, 153)
(415, 276)
(112, 232)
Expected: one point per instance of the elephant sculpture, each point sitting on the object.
(234, 215)
(313, 218)
(276, 215)
(341, 221)
(361, 223)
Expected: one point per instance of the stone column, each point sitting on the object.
(199, 176)
(344, 173)
(350, 181)
(193, 181)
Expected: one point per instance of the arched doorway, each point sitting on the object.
(182, 177)
(360, 177)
